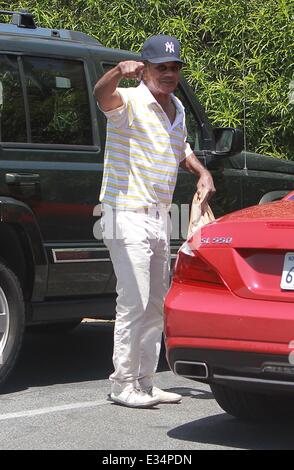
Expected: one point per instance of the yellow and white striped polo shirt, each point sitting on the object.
(143, 151)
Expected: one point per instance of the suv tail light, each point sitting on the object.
(190, 268)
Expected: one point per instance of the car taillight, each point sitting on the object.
(191, 268)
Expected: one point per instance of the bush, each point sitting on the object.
(238, 53)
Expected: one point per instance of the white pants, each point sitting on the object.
(138, 243)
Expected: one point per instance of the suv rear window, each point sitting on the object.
(56, 101)
(12, 113)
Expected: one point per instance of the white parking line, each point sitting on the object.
(52, 409)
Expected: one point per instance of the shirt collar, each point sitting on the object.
(146, 93)
(149, 98)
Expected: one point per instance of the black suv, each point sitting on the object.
(52, 135)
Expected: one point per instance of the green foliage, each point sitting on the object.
(238, 53)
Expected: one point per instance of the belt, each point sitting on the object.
(153, 211)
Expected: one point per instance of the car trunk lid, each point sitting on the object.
(249, 249)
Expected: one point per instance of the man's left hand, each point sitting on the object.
(205, 186)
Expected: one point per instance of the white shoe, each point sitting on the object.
(164, 397)
(134, 398)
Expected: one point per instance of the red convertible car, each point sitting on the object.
(229, 313)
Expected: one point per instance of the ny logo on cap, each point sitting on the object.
(169, 47)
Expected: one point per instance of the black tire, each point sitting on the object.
(12, 320)
(252, 406)
(58, 328)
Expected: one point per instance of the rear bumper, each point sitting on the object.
(241, 370)
(217, 314)
(241, 342)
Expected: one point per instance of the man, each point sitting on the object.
(145, 144)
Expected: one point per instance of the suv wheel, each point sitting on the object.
(252, 406)
(12, 320)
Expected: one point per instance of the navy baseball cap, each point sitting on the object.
(161, 48)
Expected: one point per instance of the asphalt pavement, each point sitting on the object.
(56, 398)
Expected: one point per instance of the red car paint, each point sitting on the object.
(226, 296)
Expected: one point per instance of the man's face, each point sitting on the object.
(162, 78)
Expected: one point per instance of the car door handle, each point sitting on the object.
(22, 178)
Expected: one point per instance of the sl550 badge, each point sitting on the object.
(217, 240)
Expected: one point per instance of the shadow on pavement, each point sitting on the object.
(198, 393)
(85, 354)
(224, 430)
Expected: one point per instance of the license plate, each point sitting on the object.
(287, 281)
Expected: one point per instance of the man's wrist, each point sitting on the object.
(117, 73)
(195, 165)
(203, 172)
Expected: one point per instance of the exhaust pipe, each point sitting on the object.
(193, 370)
